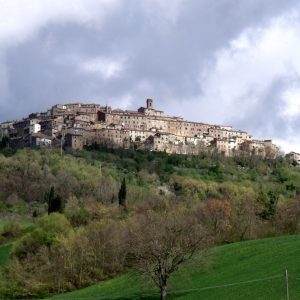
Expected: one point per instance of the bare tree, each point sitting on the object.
(161, 243)
(214, 215)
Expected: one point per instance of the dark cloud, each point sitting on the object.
(264, 118)
(163, 56)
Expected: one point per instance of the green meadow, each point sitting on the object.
(243, 270)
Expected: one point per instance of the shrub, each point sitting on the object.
(78, 217)
(45, 233)
(10, 231)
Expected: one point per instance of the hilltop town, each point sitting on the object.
(76, 125)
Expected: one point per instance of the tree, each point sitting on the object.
(215, 216)
(122, 194)
(55, 202)
(4, 142)
(287, 219)
(245, 219)
(269, 202)
(45, 232)
(161, 243)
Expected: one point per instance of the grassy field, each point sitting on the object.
(4, 254)
(5, 249)
(246, 270)
(23, 222)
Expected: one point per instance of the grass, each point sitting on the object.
(23, 222)
(4, 254)
(244, 270)
(6, 246)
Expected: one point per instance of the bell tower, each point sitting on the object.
(149, 103)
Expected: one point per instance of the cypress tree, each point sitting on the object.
(4, 142)
(122, 194)
(55, 203)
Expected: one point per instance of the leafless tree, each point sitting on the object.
(161, 243)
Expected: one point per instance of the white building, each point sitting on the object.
(34, 128)
(294, 156)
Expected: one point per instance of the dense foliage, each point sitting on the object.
(88, 235)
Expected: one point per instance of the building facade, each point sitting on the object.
(77, 125)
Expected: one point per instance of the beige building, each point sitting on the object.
(74, 140)
(294, 156)
(87, 124)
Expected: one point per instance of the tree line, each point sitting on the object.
(98, 214)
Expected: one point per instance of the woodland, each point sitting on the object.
(73, 219)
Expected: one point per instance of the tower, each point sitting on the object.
(149, 103)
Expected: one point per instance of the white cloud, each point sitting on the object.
(288, 144)
(105, 67)
(291, 98)
(20, 19)
(243, 73)
(123, 102)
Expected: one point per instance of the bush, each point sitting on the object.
(78, 217)
(90, 254)
(12, 229)
(45, 233)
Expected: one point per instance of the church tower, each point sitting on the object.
(149, 103)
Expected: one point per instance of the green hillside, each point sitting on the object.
(244, 270)
(231, 198)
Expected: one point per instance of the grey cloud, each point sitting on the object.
(167, 55)
(264, 118)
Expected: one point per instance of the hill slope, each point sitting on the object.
(245, 270)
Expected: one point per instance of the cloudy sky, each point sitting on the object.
(226, 62)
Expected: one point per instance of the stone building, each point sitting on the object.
(79, 124)
(74, 140)
(5, 128)
(294, 156)
(38, 140)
